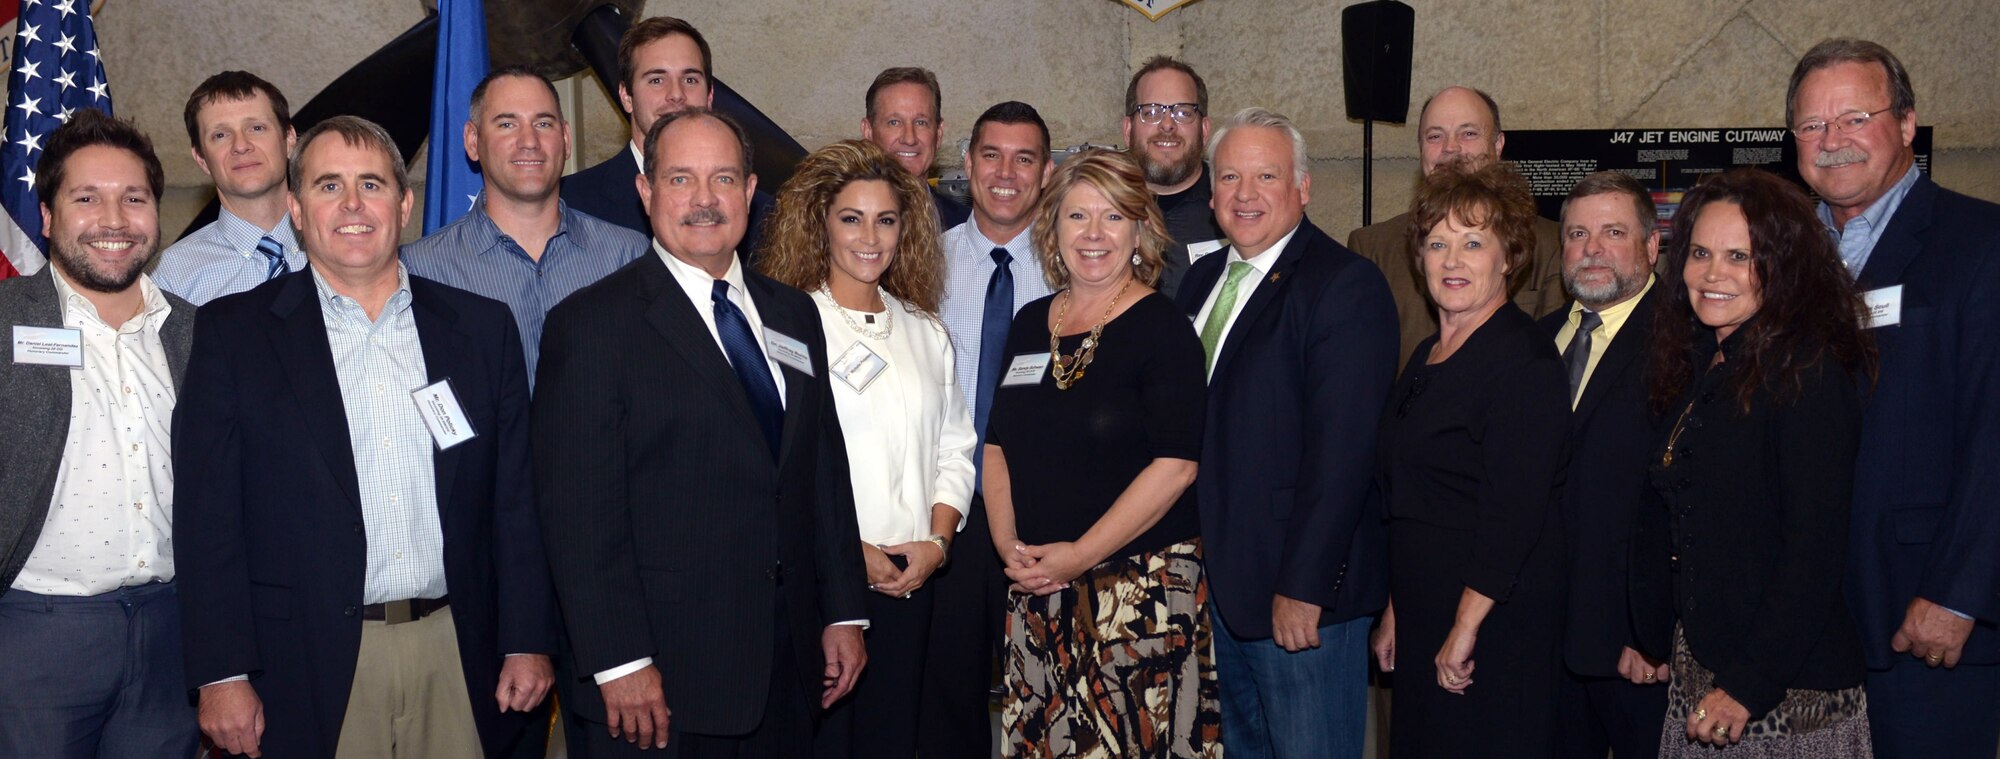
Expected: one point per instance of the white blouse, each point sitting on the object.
(909, 435)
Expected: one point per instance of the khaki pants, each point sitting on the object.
(409, 697)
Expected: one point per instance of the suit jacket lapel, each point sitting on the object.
(445, 356)
(41, 309)
(1899, 244)
(798, 385)
(298, 339)
(1274, 284)
(671, 314)
(1624, 350)
(1197, 282)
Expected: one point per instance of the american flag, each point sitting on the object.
(56, 71)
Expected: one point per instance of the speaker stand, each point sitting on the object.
(1367, 172)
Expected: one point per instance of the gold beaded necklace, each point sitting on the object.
(1068, 369)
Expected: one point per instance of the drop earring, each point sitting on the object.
(1135, 258)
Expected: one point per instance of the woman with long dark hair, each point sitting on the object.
(1755, 355)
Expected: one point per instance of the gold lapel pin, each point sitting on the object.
(1274, 277)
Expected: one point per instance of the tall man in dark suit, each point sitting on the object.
(363, 568)
(663, 68)
(1301, 341)
(1612, 696)
(1924, 570)
(905, 118)
(694, 481)
(90, 640)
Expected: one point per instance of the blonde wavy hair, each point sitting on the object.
(1118, 177)
(794, 248)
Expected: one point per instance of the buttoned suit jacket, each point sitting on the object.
(1286, 492)
(1611, 438)
(35, 412)
(673, 532)
(272, 547)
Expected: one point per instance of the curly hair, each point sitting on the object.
(1492, 196)
(1807, 306)
(1118, 177)
(794, 246)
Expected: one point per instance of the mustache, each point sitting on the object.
(1844, 155)
(705, 216)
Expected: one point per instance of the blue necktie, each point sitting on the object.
(748, 361)
(276, 252)
(993, 325)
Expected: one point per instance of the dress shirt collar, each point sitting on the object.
(638, 157)
(239, 235)
(1614, 316)
(1264, 261)
(1875, 219)
(700, 284)
(155, 308)
(399, 301)
(1022, 247)
(484, 235)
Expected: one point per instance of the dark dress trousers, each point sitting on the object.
(672, 532)
(1611, 436)
(270, 547)
(609, 191)
(1926, 522)
(1286, 491)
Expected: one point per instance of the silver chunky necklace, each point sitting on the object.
(888, 315)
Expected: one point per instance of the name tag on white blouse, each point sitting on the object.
(1026, 370)
(1885, 306)
(858, 366)
(788, 351)
(438, 404)
(48, 346)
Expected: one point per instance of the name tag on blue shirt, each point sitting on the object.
(48, 346)
(1885, 306)
(446, 419)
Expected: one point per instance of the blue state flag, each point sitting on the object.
(451, 181)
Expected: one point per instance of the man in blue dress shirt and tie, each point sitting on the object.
(240, 130)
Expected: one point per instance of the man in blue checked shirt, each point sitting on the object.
(240, 128)
(520, 244)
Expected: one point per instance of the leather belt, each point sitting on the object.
(407, 610)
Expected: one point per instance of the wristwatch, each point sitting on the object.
(944, 546)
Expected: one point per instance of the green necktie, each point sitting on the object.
(1225, 303)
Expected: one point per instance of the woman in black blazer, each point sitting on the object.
(1472, 450)
(1755, 352)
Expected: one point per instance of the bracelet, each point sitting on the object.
(943, 546)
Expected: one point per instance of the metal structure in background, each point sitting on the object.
(557, 38)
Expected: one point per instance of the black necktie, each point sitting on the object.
(1577, 355)
(748, 360)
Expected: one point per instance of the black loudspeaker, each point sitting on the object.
(1376, 40)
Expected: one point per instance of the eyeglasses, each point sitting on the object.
(1182, 113)
(1846, 123)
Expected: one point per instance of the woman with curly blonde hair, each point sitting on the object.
(856, 231)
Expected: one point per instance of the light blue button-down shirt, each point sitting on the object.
(473, 254)
(379, 363)
(222, 259)
(968, 267)
(1857, 239)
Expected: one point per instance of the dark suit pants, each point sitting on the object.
(967, 619)
(1600, 714)
(879, 721)
(94, 676)
(1916, 712)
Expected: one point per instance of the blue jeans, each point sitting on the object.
(96, 676)
(1309, 704)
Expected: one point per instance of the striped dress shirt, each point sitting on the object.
(222, 259)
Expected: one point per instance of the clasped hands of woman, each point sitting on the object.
(924, 557)
(1044, 569)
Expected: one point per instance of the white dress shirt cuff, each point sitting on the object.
(622, 670)
(238, 678)
(862, 623)
(1956, 613)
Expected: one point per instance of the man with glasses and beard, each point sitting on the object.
(1166, 128)
(91, 664)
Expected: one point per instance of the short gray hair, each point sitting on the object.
(1264, 117)
(1902, 97)
(356, 132)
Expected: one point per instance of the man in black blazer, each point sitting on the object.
(1924, 550)
(1613, 696)
(694, 483)
(364, 572)
(663, 67)
(1301, 341)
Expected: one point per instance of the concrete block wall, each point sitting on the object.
(1552, 64)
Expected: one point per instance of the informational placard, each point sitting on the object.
(1669, 161)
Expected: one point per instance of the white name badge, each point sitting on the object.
(1026, 370)
(787, 351)
(1885, 306)
(1198, 249)
(438, 404)
(48, 346)
(858, 367)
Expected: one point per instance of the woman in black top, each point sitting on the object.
(1754, 354)
(1092, 444)
(1472, 447)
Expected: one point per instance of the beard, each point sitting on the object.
(1592, 295)
(1168, 173)
(76, 265)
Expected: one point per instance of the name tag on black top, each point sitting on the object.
(1025, 370)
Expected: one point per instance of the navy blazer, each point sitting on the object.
(1611, 437)
(1926, 522)
(1286, 490)
(270, 546)
(610, 191)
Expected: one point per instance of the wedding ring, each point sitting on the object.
(1722, 732)
(1700, 714)
(1650, 677)
(1934, 658)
